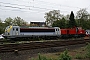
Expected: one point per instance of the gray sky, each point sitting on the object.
(34, 10)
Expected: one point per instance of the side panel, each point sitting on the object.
(38, 32)
(81, 31)
(72, 31)
(63, 31)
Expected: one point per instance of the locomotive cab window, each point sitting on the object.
(16, 29)
(13, 29)
(56, 29)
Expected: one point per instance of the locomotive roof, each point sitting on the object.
(31, 27)
(39, 27)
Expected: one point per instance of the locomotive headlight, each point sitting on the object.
(5, 30)
(80, 32)
(16, 33)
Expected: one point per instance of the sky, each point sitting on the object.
(34, 10)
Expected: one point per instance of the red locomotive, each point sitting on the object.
(73, 32)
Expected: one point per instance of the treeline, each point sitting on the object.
(82, 19)
(63, 23)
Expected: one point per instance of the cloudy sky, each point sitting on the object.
(34, 10)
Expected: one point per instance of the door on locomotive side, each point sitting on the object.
(16, 30)
(57, 31)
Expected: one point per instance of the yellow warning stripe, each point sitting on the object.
(9, 29)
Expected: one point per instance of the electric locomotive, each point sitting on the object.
(16, 32)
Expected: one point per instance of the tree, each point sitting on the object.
(2, 26)
(72, 22)
(1, 21)
(60, 23)
(18, 21)
(8, 21)
(52, 16)
(82, 15)
(67, 17)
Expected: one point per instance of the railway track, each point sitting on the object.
(38, 44)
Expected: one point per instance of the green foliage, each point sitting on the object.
(18, 21)
(87, 55)
(72, 21)
(8, 21)
(43, 58)
(82, 14)
(78, 56)
(65, 56)
(60, 23)
(32, 59)
(88, 50)
(82, 19)
(63, 23)
(2, 26)
(52, 16)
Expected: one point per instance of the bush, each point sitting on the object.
(78, 56)
(65, 56)
(88, 50)
(43, 58)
